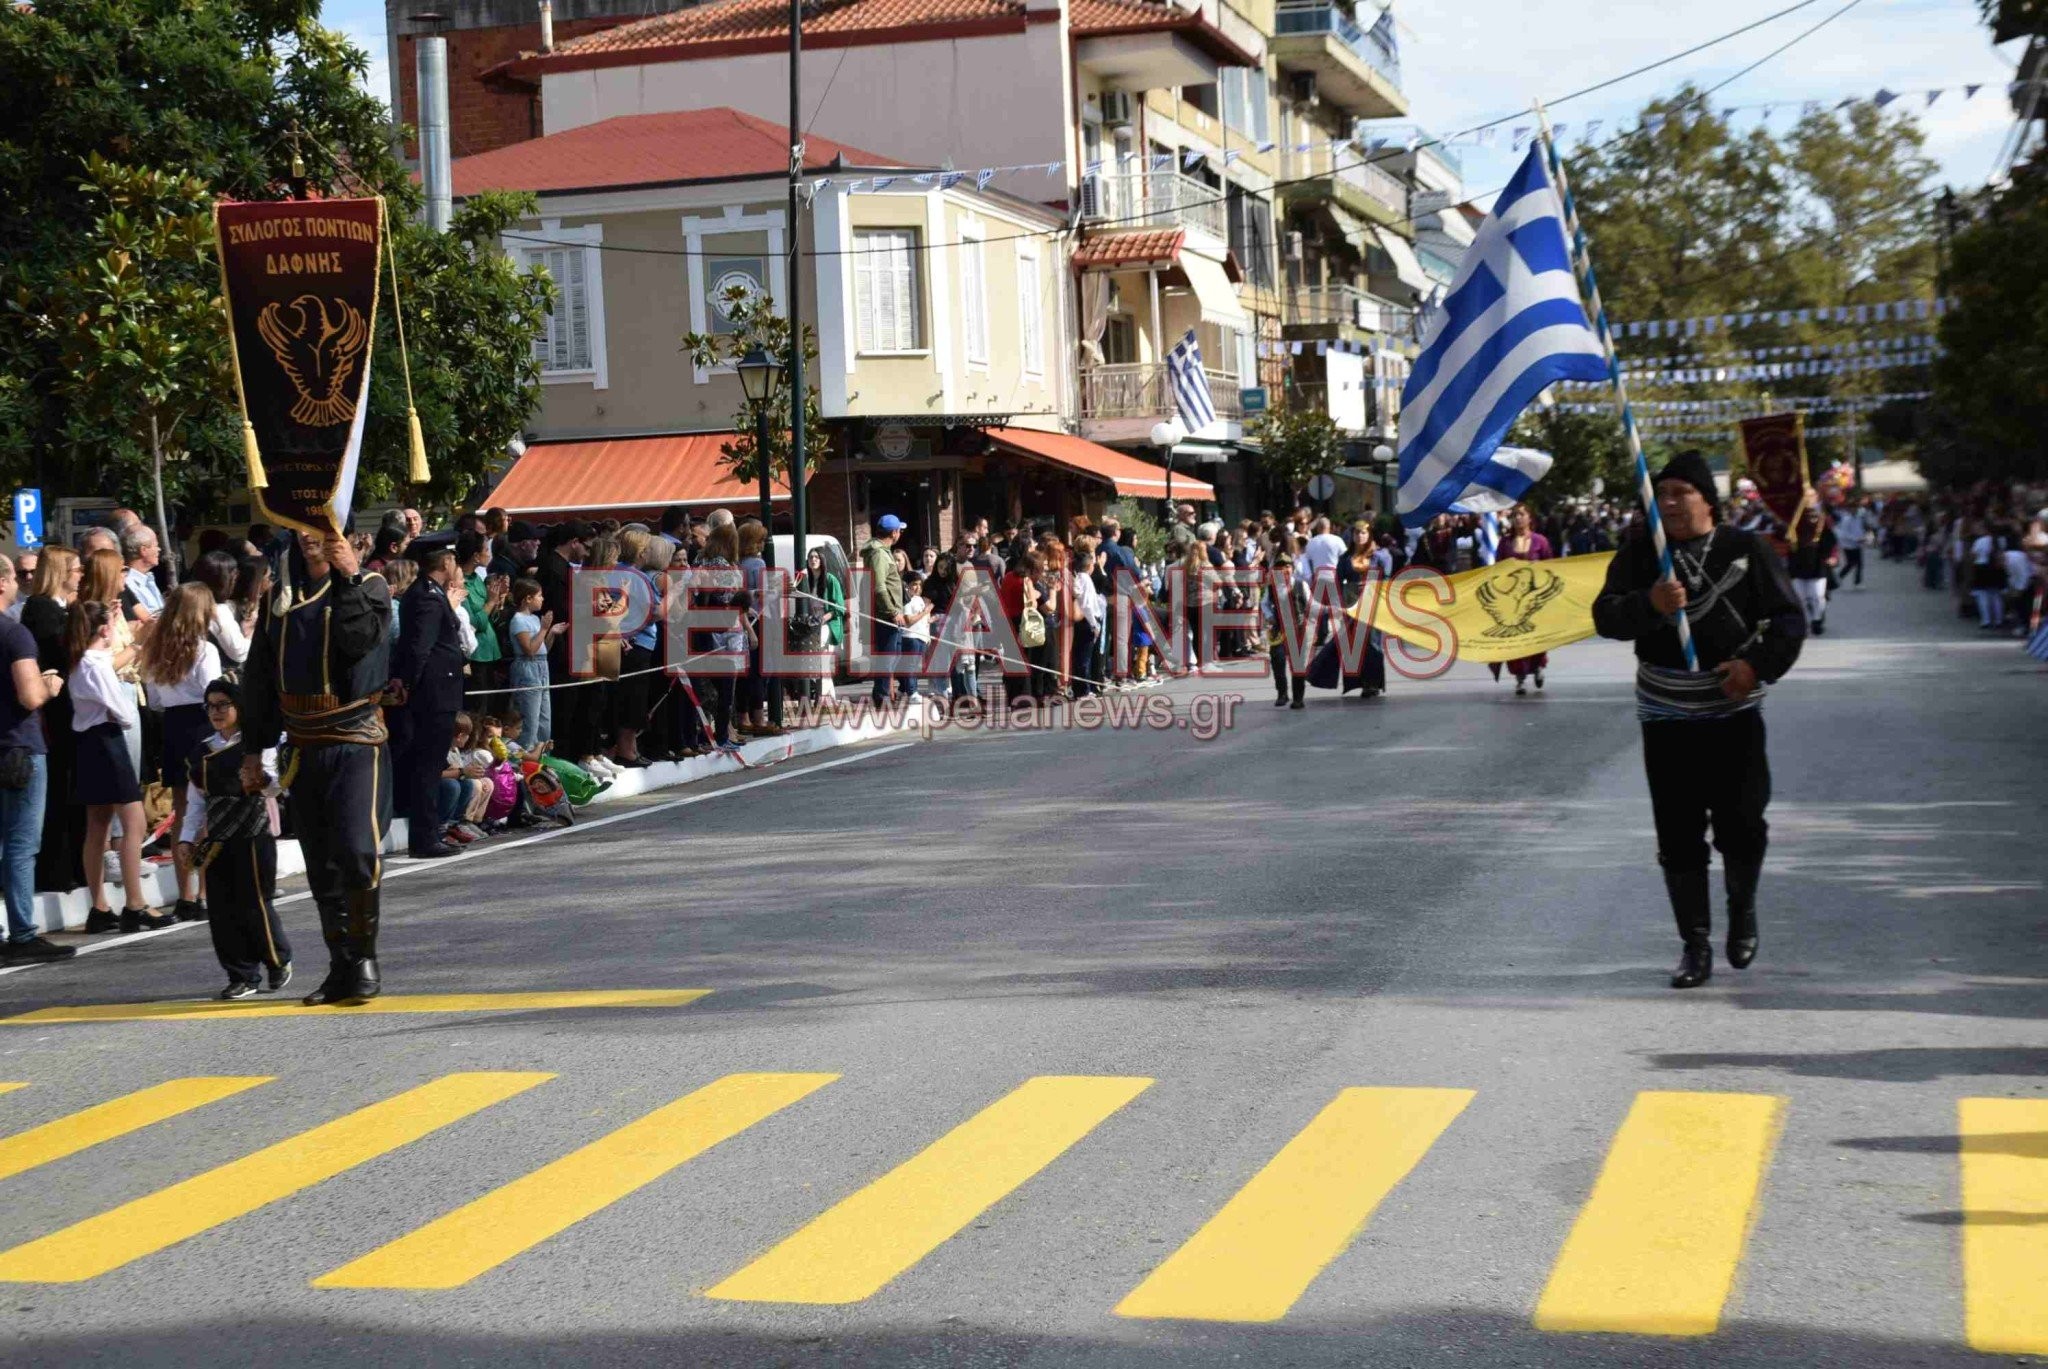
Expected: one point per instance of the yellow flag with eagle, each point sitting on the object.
(1499, 612)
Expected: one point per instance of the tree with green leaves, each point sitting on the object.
(1582, 447)
(1298, 441)
(121, 122)
(757, 325)
(1991, 388)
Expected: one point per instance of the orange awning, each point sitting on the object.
(624, 473)
(1124, 473)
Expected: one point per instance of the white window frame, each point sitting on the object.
(733, 219)
(520, 244)
(974, 295)
(865, 264)
(1030, 310)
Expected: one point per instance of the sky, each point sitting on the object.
(1468, 61)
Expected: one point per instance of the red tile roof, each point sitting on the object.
(1131, 249)
(1105, 18)
(720, 27)
(649, 149)
(624, 473)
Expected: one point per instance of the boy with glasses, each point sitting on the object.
(232, 835)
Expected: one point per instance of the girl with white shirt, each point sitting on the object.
(103, 713)
(178, 662)
(218, 571)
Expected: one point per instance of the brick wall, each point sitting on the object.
(483, 116)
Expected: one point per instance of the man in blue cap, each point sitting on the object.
(879, 558)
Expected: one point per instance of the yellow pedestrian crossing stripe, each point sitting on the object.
(508, 1221)
(857, 1247)
(212, 1008)
(162, 1219)
(1656, 1247)
(105, 1121)
(1258, 1255)
(2005, 1224)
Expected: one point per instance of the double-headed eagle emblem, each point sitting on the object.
(319, 349)
(1512, 600)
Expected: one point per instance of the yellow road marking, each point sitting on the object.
(1259, 1254)
(2005, 1224)
(508, 1221)
(1655, 1250)
(117, 1117)
(162, 1219)
(10, 1087)
(859, 1245)
(389, 1003)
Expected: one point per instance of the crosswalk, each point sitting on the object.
(1656, 1247)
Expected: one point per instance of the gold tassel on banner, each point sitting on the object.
(258, 480)
(420, 475)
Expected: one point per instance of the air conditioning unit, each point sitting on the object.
(1118, 109)
(1301, 87)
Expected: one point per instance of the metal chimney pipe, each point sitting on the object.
(435, 173)
(547, 26)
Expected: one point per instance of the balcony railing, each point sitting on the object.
(1137, 199)
(1374, 46)
(1350, 307)
(1375, 181)
(1142, 390)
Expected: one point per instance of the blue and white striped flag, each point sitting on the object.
(1488, 545)
(1512, 324)
(1190, 384)
(2038, 646)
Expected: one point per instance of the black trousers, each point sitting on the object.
(241, 909)
(1852, 564)
(424, 758)
(1710, 772)
(1278, 655)
(341, 807)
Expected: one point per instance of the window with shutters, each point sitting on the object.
(974, 295)
(1030, 320)
(885, 290)
(570, 346)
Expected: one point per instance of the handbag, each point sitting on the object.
(1031, 628)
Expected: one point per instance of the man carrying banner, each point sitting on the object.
(317, 666)
(1703, 731)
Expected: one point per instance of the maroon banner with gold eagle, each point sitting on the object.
(300, 279)
(1774, 453)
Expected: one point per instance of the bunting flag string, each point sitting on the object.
(1684, 410)
(1779, 370)
(1702, 325)
(1730, 433)
(1790, 351)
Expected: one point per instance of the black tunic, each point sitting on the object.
(1745, 588)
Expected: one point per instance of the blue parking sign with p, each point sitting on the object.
(28, 519)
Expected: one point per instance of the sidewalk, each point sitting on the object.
(67, 912)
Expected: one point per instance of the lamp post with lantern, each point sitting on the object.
(1383, 462)
(1166, 435)
(759, 374)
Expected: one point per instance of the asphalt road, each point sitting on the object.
(1444, 901)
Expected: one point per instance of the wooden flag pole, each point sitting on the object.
(1582, 264)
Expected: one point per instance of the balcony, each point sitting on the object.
(1356, 69)
(1356, 185)
(1333, 311)
(1159, 200)
(1120, 403)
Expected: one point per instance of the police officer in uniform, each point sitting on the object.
(316, 673)
(1703, 731)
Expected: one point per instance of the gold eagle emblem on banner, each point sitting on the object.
(1513, 600)
(319, 349)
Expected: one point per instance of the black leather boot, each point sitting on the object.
(364, 911)
(1741, 881)
(1692, 907)
(340, 967)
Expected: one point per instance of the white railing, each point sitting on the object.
(1142, 390)
(1137, 199)
(1374, 46)
(1377, 182)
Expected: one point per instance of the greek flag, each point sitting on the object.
(1511, 325)
(1190, 384)
(2038, 646)
(1488, 545)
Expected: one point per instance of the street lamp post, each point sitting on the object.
(1383, 462)
(758, 374)
(1166, 435)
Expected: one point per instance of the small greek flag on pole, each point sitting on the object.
(1511, 325)
(2037, 646)
(1190, 384)
(1488, 545)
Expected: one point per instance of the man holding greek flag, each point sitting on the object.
(1511, 325)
